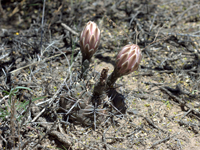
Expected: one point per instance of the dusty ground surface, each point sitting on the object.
(39, 53)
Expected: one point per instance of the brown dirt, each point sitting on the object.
(162, 96)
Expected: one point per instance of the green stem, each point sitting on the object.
(112, 79)
(84, 67)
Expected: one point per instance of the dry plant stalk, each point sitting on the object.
(12, 120)
(100, 88)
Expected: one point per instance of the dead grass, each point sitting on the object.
(162, 96)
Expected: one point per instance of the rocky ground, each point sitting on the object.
(40, 62)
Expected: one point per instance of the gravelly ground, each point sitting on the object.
(162, 97)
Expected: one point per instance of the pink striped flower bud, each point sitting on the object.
(89, 40)
(128, 59)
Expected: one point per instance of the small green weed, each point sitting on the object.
(5, 111)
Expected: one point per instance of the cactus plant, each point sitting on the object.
(90, 104)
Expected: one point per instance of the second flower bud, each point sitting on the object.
(128, 59)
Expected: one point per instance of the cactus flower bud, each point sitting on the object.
(128, 59)
(89, 40)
